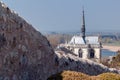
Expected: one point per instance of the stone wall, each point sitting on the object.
(74, 63)
(24, 52)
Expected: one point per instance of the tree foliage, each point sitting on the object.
(56, 39)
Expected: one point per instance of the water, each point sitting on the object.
(107, 53)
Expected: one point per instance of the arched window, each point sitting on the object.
(92, 53)
(80, 53)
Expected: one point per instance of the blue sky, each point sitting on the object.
(66, 15)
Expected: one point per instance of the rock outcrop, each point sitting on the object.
(25, 54)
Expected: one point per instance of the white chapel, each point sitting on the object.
(86, 47)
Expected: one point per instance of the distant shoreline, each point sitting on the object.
(111, 48)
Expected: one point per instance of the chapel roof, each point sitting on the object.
(89, 40)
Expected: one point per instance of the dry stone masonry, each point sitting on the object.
(72, 62)
(25, 54)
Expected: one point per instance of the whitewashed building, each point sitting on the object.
(87, 47)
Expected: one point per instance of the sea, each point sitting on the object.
(107, 53)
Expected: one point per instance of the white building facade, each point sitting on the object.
(90, 50)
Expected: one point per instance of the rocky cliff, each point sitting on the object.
(25, 54)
